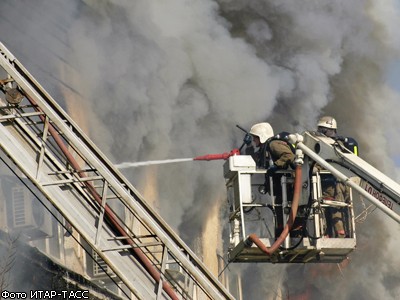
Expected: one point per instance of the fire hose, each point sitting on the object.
(253, 238)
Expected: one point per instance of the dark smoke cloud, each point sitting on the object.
(170, 79)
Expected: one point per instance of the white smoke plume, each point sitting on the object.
(170, 79)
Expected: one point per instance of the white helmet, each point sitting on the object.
(263, 130)
(327, 122)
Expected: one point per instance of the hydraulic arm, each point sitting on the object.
(375, 186)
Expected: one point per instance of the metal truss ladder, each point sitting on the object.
(93, 196)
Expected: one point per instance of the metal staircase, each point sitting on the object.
(93, 196)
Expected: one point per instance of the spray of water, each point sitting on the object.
(126, 165)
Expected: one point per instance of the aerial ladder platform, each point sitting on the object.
(47, 146)
(296, 227)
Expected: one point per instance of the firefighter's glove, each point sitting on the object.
(340, 138)
(247, 139)
(271, 170)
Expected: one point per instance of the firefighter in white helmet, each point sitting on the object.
(274, 153)
(328, 126)
(269, 147)
(333, 188)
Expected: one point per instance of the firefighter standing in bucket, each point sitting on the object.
(333, 188)
(274, 153)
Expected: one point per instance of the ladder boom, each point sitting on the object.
(43, 141)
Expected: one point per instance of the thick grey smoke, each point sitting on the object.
(336, 54)
(170, 79)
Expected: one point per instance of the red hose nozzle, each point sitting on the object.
(223, 156)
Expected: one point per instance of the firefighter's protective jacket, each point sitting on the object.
(281, 153)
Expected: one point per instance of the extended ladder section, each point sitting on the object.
(93, 196)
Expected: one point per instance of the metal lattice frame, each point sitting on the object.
(92, 195)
